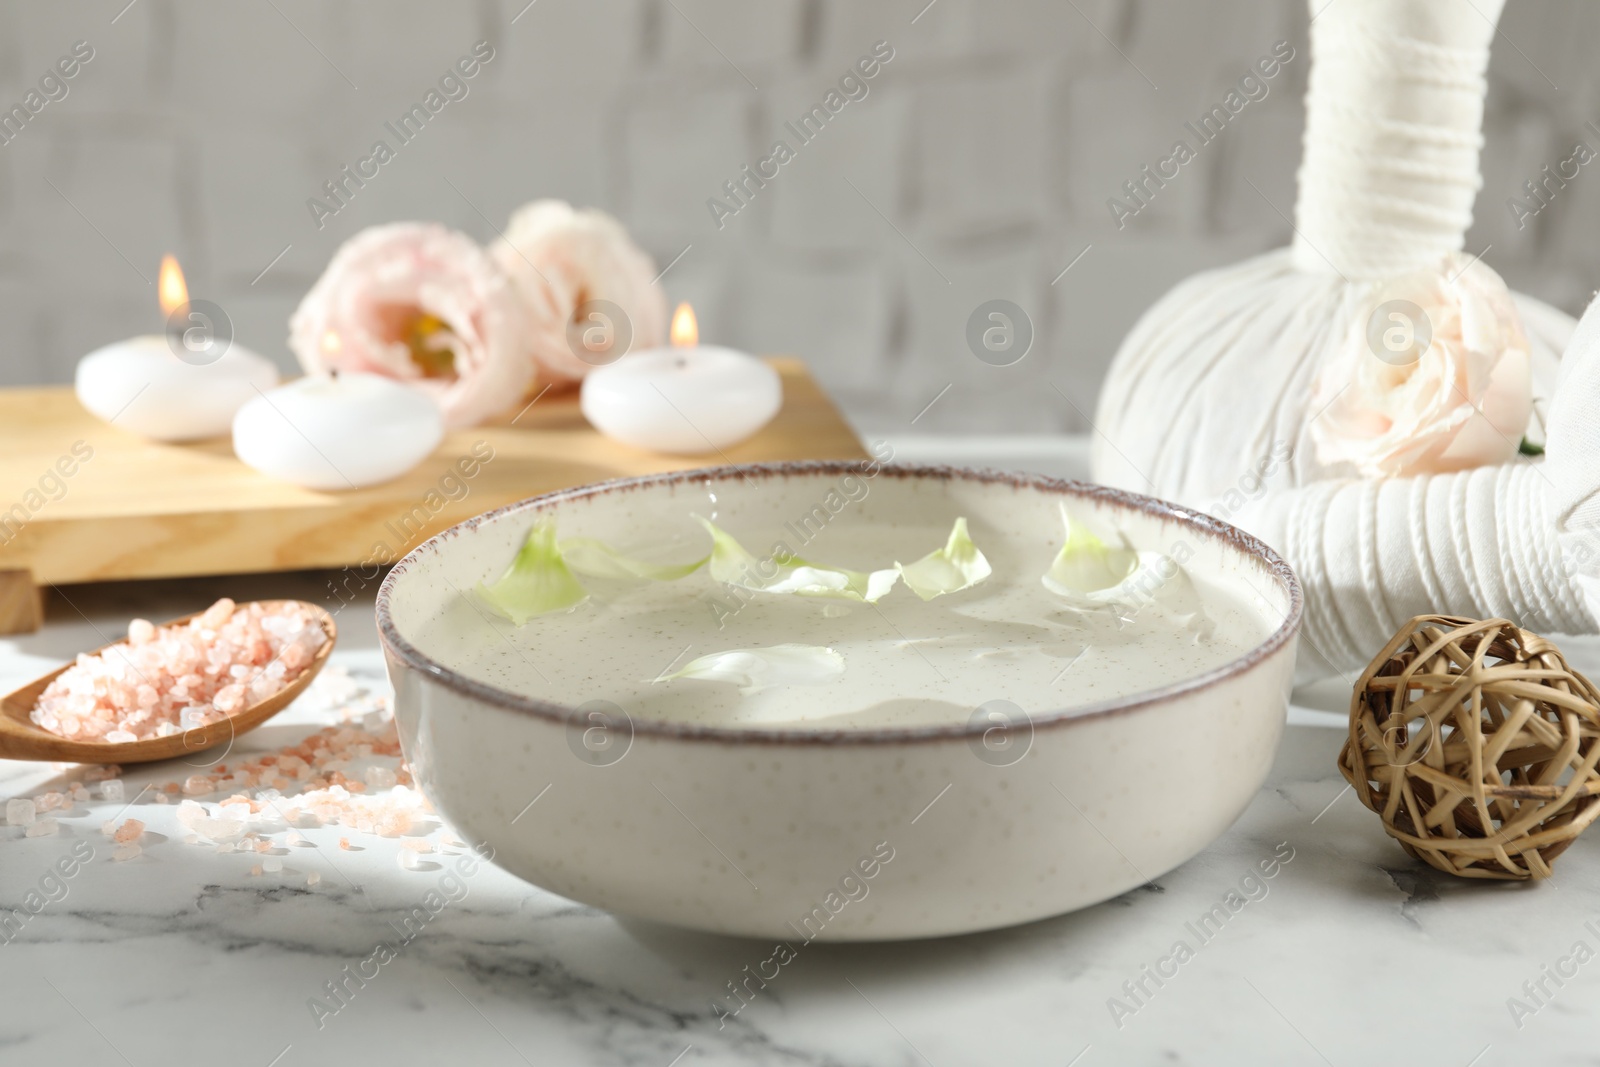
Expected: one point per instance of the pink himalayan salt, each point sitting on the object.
(128, 832)
(167, 679)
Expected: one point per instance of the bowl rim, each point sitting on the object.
(398, 647)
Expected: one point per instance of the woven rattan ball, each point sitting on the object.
(1476, 744)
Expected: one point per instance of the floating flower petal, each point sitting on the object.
(957, 566)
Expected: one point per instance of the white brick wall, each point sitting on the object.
(990, 142)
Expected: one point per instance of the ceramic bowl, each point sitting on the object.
(818, 833)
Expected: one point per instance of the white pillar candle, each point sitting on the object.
(180, 387)
(344, 432)
(687, 399)
(141, 386)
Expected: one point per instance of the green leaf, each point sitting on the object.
(1086, 564)
(1530, 448)
(957, 566)
(732, 564)
(753, 669)
(536, 583)
(596, 559)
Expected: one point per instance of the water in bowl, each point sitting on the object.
(900, 662)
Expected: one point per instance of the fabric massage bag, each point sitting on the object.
(1359, 400)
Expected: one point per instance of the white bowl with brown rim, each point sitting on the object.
(856, 817)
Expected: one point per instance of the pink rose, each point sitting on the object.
(1434, 376)
(425, 304)
(568, 258)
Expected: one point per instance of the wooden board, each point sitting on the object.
(143, 509)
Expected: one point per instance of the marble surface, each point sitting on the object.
(1349, 951)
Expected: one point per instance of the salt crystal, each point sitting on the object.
(218, 829)
(410, 861)
(126, 852)
(111, 789)
(271, 864)
(313, 878)
(256, 870)
(20, 811)
(42, 828)
(49, 801)
(189, 812)
(380, 778)
(129, 831)
(198, 785)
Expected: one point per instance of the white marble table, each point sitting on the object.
(182, 956)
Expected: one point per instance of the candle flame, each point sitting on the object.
(331, 343)
(685, 330)
(170, 289)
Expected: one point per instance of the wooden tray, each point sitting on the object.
(143, 509)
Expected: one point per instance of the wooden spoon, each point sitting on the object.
(21, 739)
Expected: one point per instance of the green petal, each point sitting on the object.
(596, 559)
(732, 564)
(1087, 564)
(537, 581)
(957, 566)
(1094, 577)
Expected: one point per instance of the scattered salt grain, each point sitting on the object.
(111, 789)
(380, 778)
(410, 861)
(313, 878)
(271, 864)
(128, 832)
(256, 870)
(126, 852)
(197, 785)
(20, 811)
(49, 801)
(42, 828)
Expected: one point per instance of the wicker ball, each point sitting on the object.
(1476, 744)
